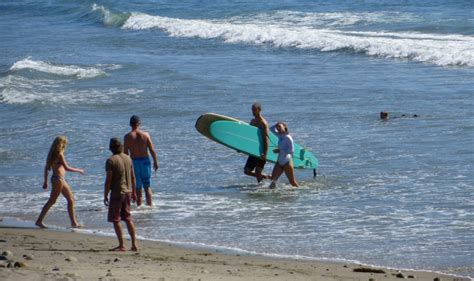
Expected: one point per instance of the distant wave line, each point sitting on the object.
(306, 30)
(61, 70)
(443, 50)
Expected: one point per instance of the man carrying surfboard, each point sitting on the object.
(254, 166)
(137, 143)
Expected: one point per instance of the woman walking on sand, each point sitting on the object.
(58, 164)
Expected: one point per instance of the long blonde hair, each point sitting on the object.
(57, 148)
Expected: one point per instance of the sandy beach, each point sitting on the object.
(35, 254)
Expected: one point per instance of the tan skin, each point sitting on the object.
(117, 226)
(260, 122)
(137, 143)
(59, 186)
(288, 168)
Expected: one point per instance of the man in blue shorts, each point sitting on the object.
(137, 143)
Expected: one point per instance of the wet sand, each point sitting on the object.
(36, 254)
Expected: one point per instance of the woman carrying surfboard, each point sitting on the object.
(285, 152)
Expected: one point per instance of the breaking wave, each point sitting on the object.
(110, 18)
(284, 31)
(35, 81)
(60, 70)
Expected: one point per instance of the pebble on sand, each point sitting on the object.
(7, 254)
(71, 259)
(19, 264)
(368, 270)
(400, 275)
(28, 257)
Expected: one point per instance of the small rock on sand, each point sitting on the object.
(368, 270)
(7, 254)
(19, 264)
(400, 275)
(71, 259)
(72, 275)
(28, 257)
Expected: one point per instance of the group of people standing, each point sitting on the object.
(128, 170)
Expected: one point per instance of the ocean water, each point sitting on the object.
(395, 193)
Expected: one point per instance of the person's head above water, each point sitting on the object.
(383, 115)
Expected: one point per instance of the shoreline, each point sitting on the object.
(45, 254)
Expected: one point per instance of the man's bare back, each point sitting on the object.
(137, 143)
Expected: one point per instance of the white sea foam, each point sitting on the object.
(16, 89)
(343, 19)
(61, 70)
(443, 50)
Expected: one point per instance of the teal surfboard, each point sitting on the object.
(203, 123)
(247, 139)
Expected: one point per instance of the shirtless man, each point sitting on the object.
(137, 143)
(255, 163)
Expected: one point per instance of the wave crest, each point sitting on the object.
(21, 90)
(20, 87)
(61, 70)
(110, 18)
(443, 50)
(341, 19)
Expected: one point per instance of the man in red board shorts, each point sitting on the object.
(120, 182)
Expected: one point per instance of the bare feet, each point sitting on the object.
(77, 226)
(118, 249)
(262, 177)
(134, 248)
(40, 225)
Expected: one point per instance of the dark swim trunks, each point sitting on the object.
(254, 162)
(119, 208)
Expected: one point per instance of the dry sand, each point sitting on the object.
(55, 255)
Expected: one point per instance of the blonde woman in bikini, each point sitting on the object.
(57, 163)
